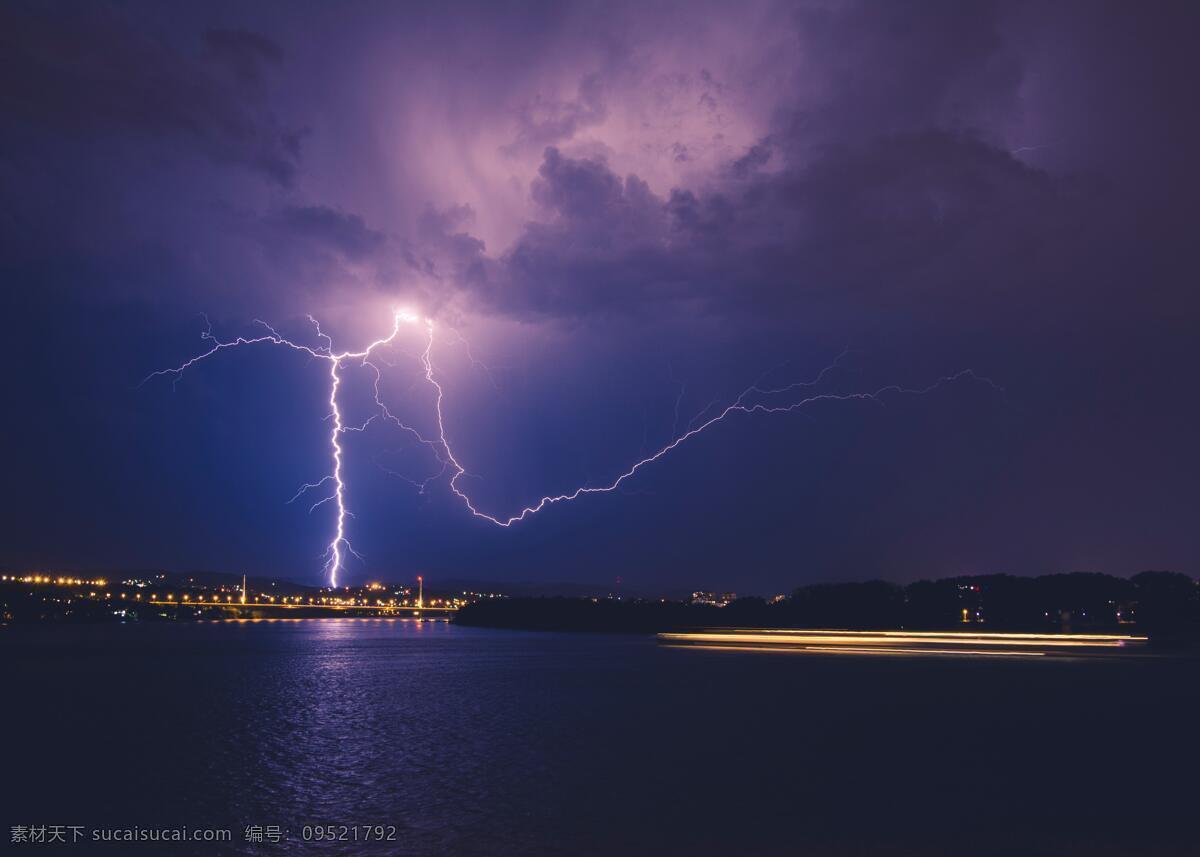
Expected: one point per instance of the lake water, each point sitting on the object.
(480, 742)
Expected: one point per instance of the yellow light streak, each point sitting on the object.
(853, 650)
(829, 641)
(884, 639)
(799, 632)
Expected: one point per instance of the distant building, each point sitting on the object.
(971, 597)
(721, 599)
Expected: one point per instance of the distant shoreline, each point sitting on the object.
(1163, 606)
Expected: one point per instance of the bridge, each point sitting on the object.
(309, 609)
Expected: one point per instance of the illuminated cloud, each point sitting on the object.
(631, 209)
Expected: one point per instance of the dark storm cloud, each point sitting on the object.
(887, 164)
(880, 215)
(888, 173)
(345, 234)
(246, 53)
(888, 68)
(86, 71)
(604, 243)
(634, 208)
(445, 250)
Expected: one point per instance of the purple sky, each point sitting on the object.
(623, 207)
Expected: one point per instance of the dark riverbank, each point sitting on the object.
(1162, 605)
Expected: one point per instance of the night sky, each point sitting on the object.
(631, 211)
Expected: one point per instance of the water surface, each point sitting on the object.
(480, 742)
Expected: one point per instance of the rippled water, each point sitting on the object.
(479, 742)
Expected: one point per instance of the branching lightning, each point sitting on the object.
(755, 399)
(339, 545)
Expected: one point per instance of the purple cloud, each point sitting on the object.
(93, 73)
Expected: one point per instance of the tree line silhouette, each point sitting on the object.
(1162, 604)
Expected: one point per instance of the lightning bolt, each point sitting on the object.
(739, 406)
(339, 545)
(755, 399)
